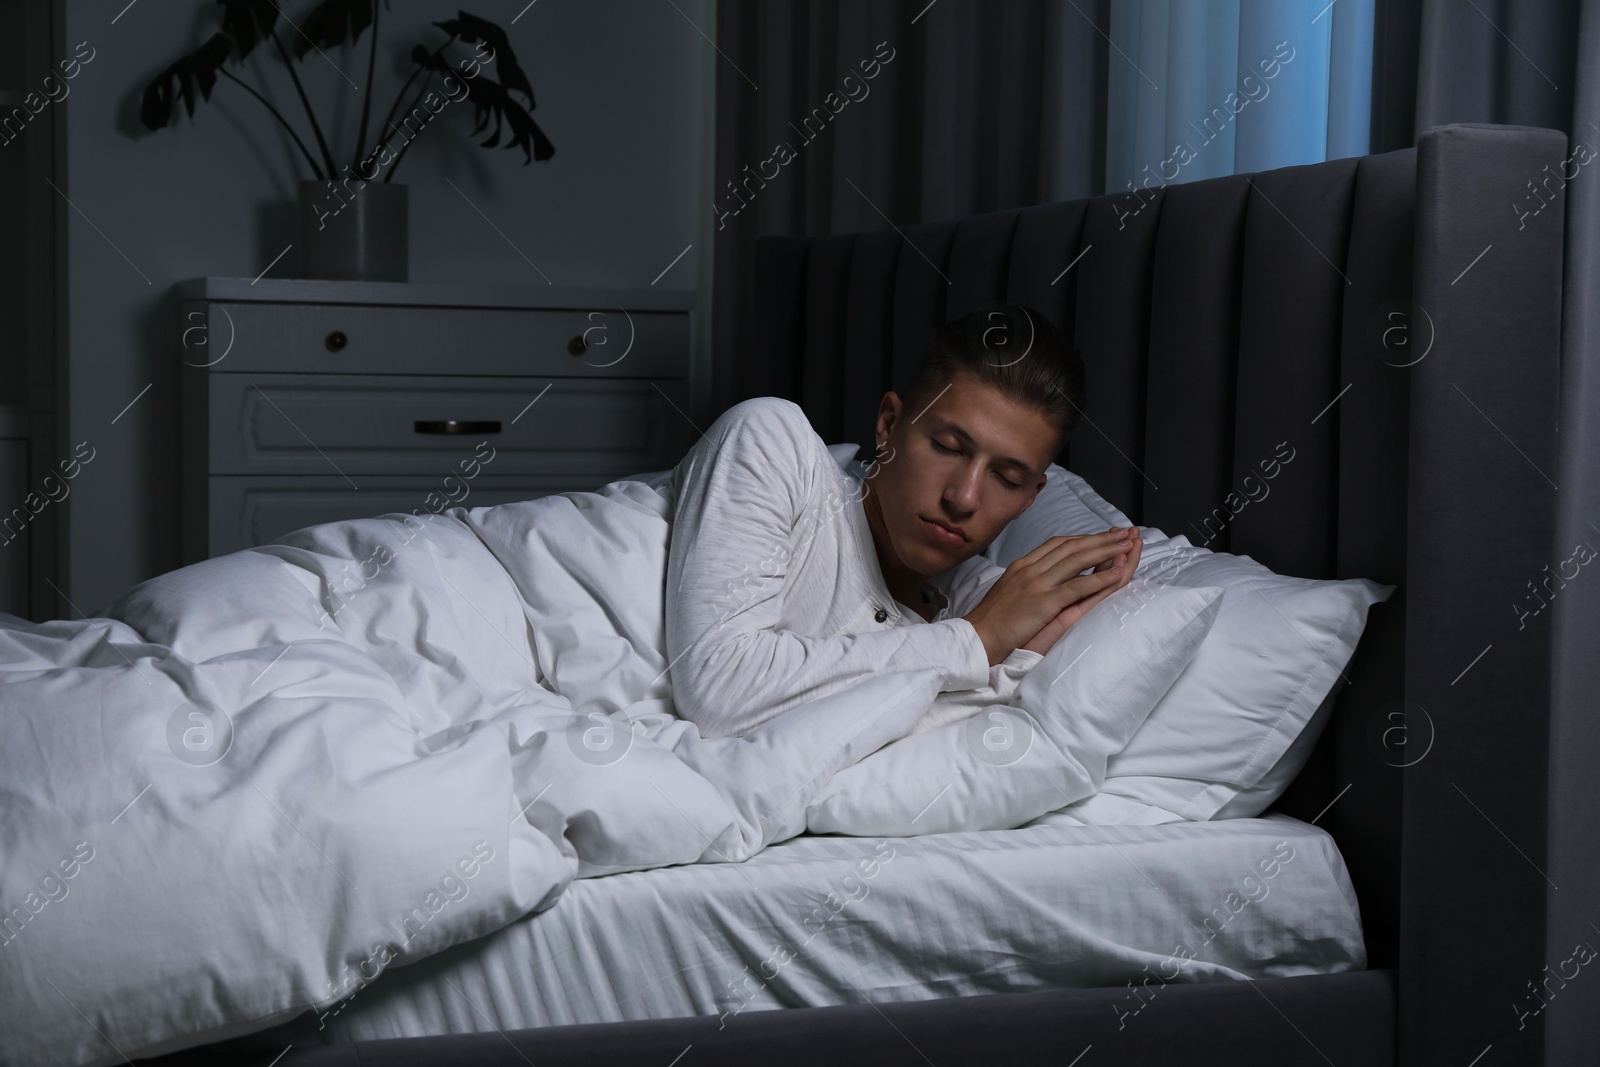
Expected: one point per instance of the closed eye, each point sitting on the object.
(954, 452)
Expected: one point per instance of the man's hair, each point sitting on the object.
(1013, 348)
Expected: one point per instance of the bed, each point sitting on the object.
(799, 926)
(1363, 300)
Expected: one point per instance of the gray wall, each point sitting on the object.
(624, 90)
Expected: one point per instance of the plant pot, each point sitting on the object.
(354, 231)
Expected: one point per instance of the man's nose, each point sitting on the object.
(961, 495)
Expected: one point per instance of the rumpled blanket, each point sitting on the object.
(258, 781)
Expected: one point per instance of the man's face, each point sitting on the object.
(952, 463)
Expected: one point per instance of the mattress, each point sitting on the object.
(822, 920)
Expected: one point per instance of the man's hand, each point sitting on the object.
(1043, 593)
(1053, 630)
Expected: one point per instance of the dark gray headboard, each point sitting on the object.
(1351, 309)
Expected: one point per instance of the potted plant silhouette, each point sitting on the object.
(352, 223)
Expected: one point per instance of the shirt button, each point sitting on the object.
(881, 615)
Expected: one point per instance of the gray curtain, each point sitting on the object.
(970, 107)
(1528, 63)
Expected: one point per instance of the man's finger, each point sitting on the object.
(1051, 555)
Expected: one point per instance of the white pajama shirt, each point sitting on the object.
(774, 594)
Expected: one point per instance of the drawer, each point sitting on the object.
(354, 425)
(246, 512)
(353, 339)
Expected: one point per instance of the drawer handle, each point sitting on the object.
(577, 346)
(458, 426)
(336, 341)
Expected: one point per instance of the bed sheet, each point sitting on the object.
(822, 920)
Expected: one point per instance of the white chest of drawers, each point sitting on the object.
(311, 401)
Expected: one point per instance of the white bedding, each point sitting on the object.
(264, 778)
(827, 920)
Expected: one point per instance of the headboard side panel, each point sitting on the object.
(1481, 544)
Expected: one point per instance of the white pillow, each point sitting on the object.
(1000, 768)
(1259, 797)
(1232, 732)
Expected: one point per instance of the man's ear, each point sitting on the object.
(888, 412)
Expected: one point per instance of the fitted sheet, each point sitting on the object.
(822, 920)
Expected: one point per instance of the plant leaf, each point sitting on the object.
(492, 100)
(332, 23)
(178, 82)
(472, 29)
(248, 22)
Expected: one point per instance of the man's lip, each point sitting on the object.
(959, 533)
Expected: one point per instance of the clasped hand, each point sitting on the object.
(1043, 594)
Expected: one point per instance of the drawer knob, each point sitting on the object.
(458, 426)
(577, 346)
(336, 341)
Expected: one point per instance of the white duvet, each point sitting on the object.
(261, 780)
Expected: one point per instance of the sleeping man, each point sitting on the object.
(789, 579)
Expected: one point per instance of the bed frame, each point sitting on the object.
(1400, 327)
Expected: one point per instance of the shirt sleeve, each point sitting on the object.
(1004, 679)
(747, 496)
